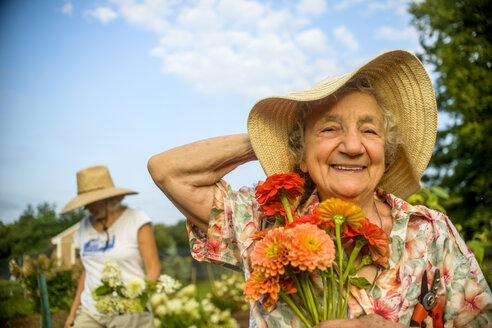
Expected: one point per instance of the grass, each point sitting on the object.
(12, 301)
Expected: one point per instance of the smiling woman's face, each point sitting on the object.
(344, 147)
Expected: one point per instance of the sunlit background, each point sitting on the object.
(85, 83)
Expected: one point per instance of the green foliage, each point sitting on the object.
(13, 304)
(177, 267)
(456, 38)
(34, 229)
(61, 282)
(174, 235)
(430, 198)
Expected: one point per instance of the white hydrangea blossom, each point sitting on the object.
(167, 285)
(134, 288)
(158, 299)
(111, 274)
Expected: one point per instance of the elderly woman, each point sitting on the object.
(111, 231)
(364, 137)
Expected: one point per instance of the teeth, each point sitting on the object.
(346, 168)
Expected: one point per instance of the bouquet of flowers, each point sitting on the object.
(116, 297)
(297, 250)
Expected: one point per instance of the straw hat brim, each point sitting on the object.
(94, 196)
(402, 86)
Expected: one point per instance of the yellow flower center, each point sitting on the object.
(272, 250)
(311, 244)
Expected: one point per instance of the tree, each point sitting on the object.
(34, 229)
(457, 39)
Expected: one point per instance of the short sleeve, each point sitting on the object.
(232, 221)
(469, 299)
(76, 237)
(141, 218)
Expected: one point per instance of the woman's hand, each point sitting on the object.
(368, 321)
(69, 321)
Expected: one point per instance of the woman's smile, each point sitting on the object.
(344, 147)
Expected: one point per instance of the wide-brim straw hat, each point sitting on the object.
(93, 184)
(402, 86)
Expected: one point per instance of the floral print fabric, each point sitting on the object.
(421, 241)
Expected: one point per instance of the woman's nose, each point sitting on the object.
(351, 143)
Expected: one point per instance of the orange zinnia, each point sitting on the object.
(333, 208)
(270, 254)
(311, 248)
(290, 183)
(259, 284)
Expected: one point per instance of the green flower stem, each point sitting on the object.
(340, 268)
(309, 297)
(285, 203)
(315, 297)
(366, 260)
(331, 291)
(279, 220)
(294, 307)
(358, 246)
(346, 297)
(325, 300)
(298, 285)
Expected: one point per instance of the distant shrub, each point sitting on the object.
(61, 282)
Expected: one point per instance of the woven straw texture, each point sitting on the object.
(402, 86)
(94, 184)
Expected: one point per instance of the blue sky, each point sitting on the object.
(113, 82)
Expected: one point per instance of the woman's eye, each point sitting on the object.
(328, 129)
(370, 131)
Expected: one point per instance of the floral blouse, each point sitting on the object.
(421, 241)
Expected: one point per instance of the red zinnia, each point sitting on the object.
(378, 242)
(290, 183)
(308, 218)
(275, 207)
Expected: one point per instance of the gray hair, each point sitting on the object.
(361, 84)
(113, 204)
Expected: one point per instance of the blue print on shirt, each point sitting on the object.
(94, 246)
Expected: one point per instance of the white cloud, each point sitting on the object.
(392, 34)
(103, 14)
(399, 6)
(240, 46)
(67, 8)
(345, 4)
(236, 46)
(311, 7)
(343, 34)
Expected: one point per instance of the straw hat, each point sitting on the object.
(402, 86)
(93, 184)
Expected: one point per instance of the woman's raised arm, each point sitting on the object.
(187, 174)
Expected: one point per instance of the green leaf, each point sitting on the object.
(103, 290)
(118, 291)
(360, 282)
(439, 192)
(143, 299)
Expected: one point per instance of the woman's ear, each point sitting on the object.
(303, 166)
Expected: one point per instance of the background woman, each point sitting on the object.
(111, 231)
(364, 137)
